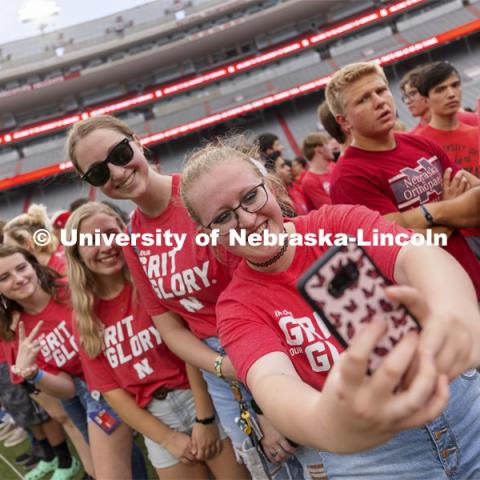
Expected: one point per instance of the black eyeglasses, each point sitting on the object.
(120, 155)
(251, 202)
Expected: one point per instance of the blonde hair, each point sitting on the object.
(344, 78)
(83, 282)
(224, 150)
(83, 128)
(22, 229)
(311, 141)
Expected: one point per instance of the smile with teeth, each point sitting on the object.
(128, 181)
(259, 230)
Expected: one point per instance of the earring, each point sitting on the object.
(4, 302)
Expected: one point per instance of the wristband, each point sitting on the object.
(428, 216)
(40, 374)
(205, 421)
(218, 366)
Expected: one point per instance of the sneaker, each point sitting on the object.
(31, 463)
(42, 469)
(23, 458)
(18, 436)
(67, 473)
(6, 431)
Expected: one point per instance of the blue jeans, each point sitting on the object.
(78, 408)
(447, 448)
(228, 410)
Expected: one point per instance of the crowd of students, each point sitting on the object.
(210, 353)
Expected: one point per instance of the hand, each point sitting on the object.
(180, 446)
(449, 336)
(453, 187)
(276, 447)
(15, 320)
(28, 348)
(369, 410)
(206, 442)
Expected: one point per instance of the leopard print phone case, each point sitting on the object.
(346, 289)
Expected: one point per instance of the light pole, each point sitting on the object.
(38, 11)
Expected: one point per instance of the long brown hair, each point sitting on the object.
(84, 283)
(49, 281)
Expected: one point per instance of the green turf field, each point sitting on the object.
(10, 471)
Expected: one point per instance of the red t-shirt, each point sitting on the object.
(468, 118)
(279, 320)
(397, 180)
(418, 127)
(316, 187)
(186, 281)
(460, 144)
(300, 201)
(57, 261)
(59, 352)
(134, 358)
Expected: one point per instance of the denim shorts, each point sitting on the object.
(447, 448)
(228, 410)
(82, 404)
(177, 411)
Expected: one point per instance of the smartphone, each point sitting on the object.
(346, 289)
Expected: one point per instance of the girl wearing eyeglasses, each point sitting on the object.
(178, 281)
(313, 392)
(43, 353)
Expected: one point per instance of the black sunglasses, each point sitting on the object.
(99, 173)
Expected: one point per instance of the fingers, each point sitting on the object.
(410, 298)
(15, 320)
(446, 176)
(354, 362)
(187, 456)
(432, 408)
(218, 447)
(276, 454)
(287, 446)
(35, 331)
(408, 402)
(21, 332)
(395, 365)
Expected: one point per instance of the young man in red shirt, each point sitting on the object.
(416, 104)
(405, 177)
(316, 182)
(441, 87)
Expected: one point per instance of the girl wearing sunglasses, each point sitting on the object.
(177, 283)
(43, 352)
(278, 345)
(125, 359)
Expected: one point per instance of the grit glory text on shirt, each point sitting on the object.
(161, 269)
(123, 345)
(58, 345)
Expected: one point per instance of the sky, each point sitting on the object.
(71, 13)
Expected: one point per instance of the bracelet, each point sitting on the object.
(25, 373)
(428, 216)
(218, 366)
(40, 374)
(205, 421)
